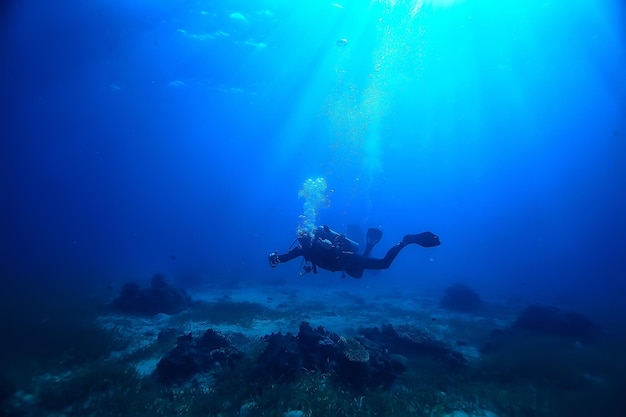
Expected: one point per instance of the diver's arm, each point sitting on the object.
(274, 258)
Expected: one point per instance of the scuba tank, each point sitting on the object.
(325, 236)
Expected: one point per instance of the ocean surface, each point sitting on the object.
(155, 157)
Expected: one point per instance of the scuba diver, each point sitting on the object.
(333, 251)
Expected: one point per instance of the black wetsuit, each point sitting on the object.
(334, 252)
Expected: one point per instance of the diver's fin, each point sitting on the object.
(425, 239)
(373, 237)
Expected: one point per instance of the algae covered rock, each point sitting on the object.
(414, 341)
(160, 297)
(551, 320)
(191, 356)
(461, 298)
(353, 361)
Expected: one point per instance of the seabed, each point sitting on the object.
(111, 371)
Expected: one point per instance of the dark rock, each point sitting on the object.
(529, 330)
(160, 297)
(367, 364)
(372, 333)
(281, 357)
(158, 281)
(317, 345)
(400, 362)
(550, 320)
(180, 363)
(356, 362)
(212, 340)
(368, 361)
(191, 356)
(410, 341)
(500, 340)
(461, 298)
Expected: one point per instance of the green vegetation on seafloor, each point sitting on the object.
(427, 388)
(532, 376)
(104, 389)
(240, 313)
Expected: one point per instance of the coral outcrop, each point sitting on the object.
(160, 297)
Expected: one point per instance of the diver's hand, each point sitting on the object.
(273, 259)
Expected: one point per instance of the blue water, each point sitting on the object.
(173, 136)
(134, 131)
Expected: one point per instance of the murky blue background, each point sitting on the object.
(138, 131)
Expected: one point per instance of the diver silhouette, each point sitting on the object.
(327, 249)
